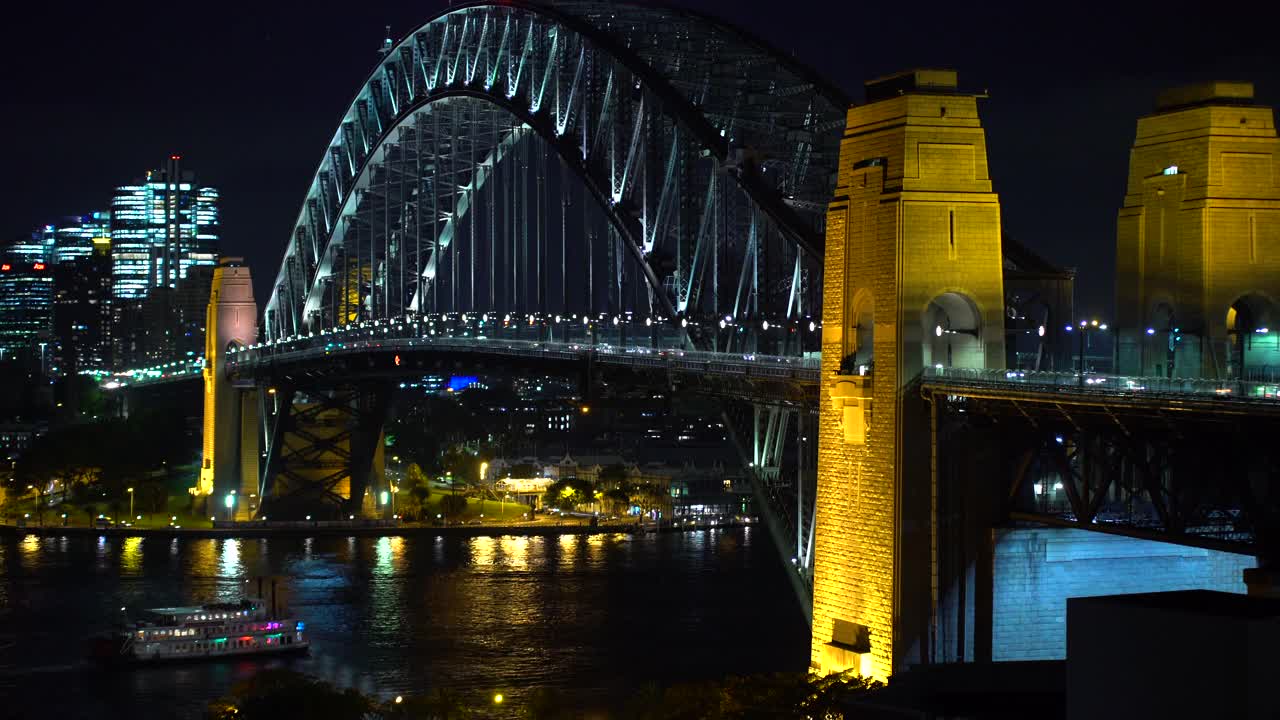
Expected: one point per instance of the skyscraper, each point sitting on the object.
(26, 310)
(82, 309)
(78, 236)
(38, 246)
(161, 226)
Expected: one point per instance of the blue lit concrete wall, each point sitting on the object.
(1036, 570)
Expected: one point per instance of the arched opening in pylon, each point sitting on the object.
(952, 328)
(1253, 338)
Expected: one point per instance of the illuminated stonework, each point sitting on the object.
(230, 420)
(912, 278)
(1198, 238)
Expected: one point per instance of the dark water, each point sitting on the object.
(594, 616)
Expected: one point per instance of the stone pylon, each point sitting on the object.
(913, 279)
(228, 467)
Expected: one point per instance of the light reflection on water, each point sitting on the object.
(594, 615)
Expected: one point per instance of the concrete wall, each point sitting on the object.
(1036, 570)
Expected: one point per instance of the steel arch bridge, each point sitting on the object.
(632, 179)
(702, 162)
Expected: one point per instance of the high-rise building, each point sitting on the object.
(78, 236)
(38, 246)
(26, 310)
(82, 309)
(161, 226)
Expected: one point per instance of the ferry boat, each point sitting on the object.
(203, 632)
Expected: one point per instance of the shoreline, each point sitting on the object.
(356, 530)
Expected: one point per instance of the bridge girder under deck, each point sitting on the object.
(1202, 472)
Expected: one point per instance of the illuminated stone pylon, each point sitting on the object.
(1198, 238)
(912, 279)
(230, 453)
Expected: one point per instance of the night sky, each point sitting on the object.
(250, 94)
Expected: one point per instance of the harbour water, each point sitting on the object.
(594, 616)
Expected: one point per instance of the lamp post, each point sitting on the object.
(230, 502)
(130, 502)
(1085, 327)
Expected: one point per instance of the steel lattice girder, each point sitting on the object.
(1195, 473)
(634, 98)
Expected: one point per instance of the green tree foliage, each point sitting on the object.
(757, 696)
(97, 462)
(417, 489)
(618, 500)
(568, 494)
(546, 704)
(413, 475)
(649, 497)
(462, 465)
(452, 506)
(275, 694)
(439, 705)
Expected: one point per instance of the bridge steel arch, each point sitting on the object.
(711, 154)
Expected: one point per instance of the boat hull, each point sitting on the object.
(110, 653)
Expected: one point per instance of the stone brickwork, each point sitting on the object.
(1199, 229)
(914, 230)
(231, 319)
(1036, 570)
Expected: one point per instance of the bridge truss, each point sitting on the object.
(577, 157)
(592, 165)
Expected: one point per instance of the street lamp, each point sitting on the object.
(130, 501)
(230, 502)
(1085, 327)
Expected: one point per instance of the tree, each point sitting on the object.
(545, 704)
(754, 696)
(464, 466)
(453, 506)
(440, 705)
(618, 500)
(153, 494)
(413, 475)
(567, 494)
(275, 694)
(649, 497)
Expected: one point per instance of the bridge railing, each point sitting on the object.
(1226, 389)
(184, 369)
(516, 339)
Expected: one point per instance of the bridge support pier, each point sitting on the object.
(913, 278)
(324, 456)
(227, 484)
